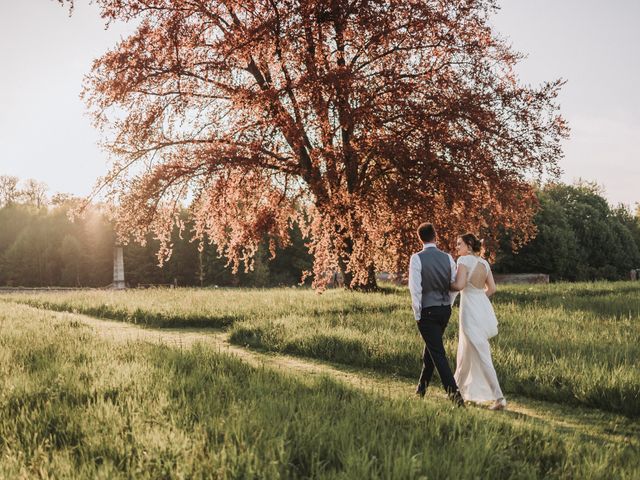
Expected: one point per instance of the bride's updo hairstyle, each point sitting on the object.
(472, 242)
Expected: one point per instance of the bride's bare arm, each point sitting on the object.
(461, 279)
(490, 285)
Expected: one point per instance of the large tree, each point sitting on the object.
(358, 119)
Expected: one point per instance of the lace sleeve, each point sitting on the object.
(487, 265)
(464, 260)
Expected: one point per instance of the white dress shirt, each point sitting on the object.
(415, 280)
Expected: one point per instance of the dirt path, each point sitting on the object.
(596, 424)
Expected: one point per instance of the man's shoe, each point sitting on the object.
(457, 399)
(421, 390)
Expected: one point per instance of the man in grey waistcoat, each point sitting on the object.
(431, 273)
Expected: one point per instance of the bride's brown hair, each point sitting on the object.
(472, 242)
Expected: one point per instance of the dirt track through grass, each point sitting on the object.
(592, 423)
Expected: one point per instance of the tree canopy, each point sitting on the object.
(357, 119)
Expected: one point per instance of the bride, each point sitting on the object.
(475, 374)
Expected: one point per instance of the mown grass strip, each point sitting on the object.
(136, 316)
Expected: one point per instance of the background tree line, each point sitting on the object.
(41, 246)
(580, 237)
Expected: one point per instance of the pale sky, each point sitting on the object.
(46, 134)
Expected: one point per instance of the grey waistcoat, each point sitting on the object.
(436, 276)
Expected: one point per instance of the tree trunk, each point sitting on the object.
(369, 285)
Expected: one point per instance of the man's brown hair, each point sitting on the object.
(427, 232)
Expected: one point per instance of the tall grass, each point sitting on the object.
(570, 343)
(74, 406)
(205, 308)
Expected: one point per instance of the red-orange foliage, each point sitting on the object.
(357, 118)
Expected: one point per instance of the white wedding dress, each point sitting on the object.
(475, 375)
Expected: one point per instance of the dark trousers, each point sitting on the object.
(432, 324)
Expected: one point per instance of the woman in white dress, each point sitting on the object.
(475, 375)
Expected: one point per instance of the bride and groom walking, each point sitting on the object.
(434, 281)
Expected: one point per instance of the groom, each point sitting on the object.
(431, 271)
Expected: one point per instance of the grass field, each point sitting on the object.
(74, 405)
(575, 344)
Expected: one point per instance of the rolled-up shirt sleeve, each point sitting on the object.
(454, 272)
(415, 285)
(454, 268)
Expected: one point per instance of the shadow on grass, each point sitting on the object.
(608, 300)
(140, 317)
(591, 423)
